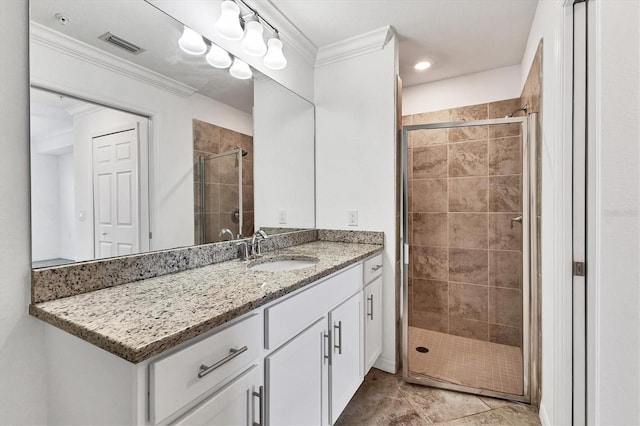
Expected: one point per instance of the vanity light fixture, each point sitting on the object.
(274, 58)
(230, 26)
(239, 69)
(191, 42)
(422, 65)
(218, 57)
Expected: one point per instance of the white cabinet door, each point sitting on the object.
(346, 358)
(372, 323)
(296, 377)
(238, 403)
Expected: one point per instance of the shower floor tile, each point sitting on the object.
(465, 361)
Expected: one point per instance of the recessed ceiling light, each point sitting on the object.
(422, 65)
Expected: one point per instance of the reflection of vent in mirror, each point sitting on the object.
(121, 43)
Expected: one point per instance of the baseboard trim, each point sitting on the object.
(544, 419)
(385, 365)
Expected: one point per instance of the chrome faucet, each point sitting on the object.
(257, 238)
(226, 231)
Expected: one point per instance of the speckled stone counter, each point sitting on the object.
(141, 319)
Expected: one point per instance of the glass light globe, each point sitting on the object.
(253, 43)
(228, 25)
(240, 69)
(274, 59)
(218, 57)
(191, 42)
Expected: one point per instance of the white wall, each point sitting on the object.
(66, 195)
(555, 407)
(45, 207)
(22, 347)
(355, 159)
(614, 263)
(479, 88)
(277, 188)
(172, 131)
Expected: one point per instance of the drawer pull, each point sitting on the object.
(339, 339)
(260, 395)
(370, 300)
(375, 268)
(206, 369)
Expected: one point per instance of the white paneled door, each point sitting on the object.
(115, 193)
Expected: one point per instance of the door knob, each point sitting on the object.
(516, 219)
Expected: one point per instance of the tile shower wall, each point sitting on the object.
(221, 185)
(464, 187)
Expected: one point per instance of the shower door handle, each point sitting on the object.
(516, 219)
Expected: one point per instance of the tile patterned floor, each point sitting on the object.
(384, 399)
(464, 361)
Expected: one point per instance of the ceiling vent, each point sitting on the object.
(121, 43)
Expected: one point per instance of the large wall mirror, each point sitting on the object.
(138, 146)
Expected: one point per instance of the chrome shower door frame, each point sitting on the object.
(530, 264)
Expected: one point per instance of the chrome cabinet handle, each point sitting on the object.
(516, 219)
(325, 351)
(260, 395)
(206, 369)
(375, 268)
(339, 345)
(370, 313)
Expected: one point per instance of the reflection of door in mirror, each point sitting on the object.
(88, 178)
(223, 183)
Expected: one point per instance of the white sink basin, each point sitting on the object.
(279, 264)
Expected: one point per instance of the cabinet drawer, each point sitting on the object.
(175, 381)
(286, 319)
(372, 268)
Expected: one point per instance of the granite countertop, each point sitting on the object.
(138, 320)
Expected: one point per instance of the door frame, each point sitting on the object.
(530, 239)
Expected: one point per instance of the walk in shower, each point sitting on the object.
(218, 193)
(469, 226)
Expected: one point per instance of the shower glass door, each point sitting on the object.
(466, 287)
(218, 195)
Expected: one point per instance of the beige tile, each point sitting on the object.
(206, 137)
(429, 320)
(470, 113)
(504, 193)
(425, 137)
(505, 306)
(197, 198)
(468, 159)
(429, 229)
(469, 328)
(487, 418)
(468, 266)
(229, 139)
(430, 262)
(468, 194)
(469, 133)
(407, 120)
(504, 130)
(212, 197)
(247, 171)
(212, 227)
(519, 414)
(531, 92)
(248, 223)
(505, 335)
(227, 169)
(502, 235)
(430, 296)
(428, 195)
(468, 230)
(468, 301)
(247, 197)
(505, 269)
(438, 405)
(504, 156)
(429, 162)
(501, 109)
(441, 116)
(228, 198)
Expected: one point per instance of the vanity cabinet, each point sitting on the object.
(295, 361)
(372, 311)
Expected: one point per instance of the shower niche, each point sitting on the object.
(223, 183)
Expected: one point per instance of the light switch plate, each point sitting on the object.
(282, 217)
(352, 217)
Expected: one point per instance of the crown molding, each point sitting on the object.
(83, 109)
(64, 44)
(290, 35)
(372, 41)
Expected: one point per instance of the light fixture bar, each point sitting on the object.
(260, 17)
